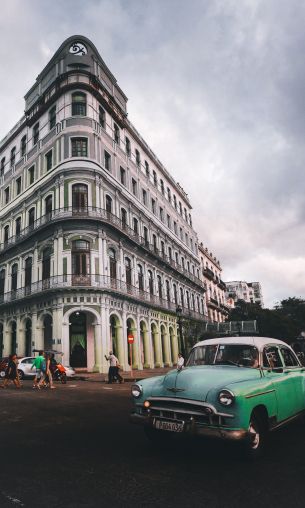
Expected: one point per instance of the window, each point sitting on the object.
(2, 166)
(186, 239)
(49, 157)
(116, 132)
(169, 197)
(181, 234)
(191, 242)
(140, 278)
(2, 281)
(31, 174)
(14, 277)
(147, 172)
(23, 146)
(128, 271)
(175, 227)
(162, 249)
(13, 156)
(288, 357)
(153, 206)
(161, 214)
(145, 232)
(162, 186)
(31, 216)
(123, 218)
(135, 225)
(79, 197)
(155, 178)
(181, 297)
(167, 287)
(122, 176)
(170, 253)
(107, 160)
(175, 202)
(108, 204)
(144, 197)
(127, 146)
(102, 117)
(185, 214)
(190, 220)
(168, 221)
(35, 134)
(79, 104)
(6, 234)
(79, 147)
(18, 226)
(155, 243)
(48, 205)
(271, 358)
(180, 207)
(159, 282)
(6, 195)
(177, 258)
(28, 272)
(134, 186)
(138, 158)
(80, 262)
(175, 293)
(18, 185)
(150, 282)
(52, 117)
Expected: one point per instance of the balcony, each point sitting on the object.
(93, 213)
(102, 283)
(221, 285)
(209, 274)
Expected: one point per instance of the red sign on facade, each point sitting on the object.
(130, 338)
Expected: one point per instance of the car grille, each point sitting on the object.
(193, 413)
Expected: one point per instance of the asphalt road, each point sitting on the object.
(73, 447)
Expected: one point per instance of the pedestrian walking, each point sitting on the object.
(11, 372)
(47, 380)
(37, 363)
(113, 372)
(180, 362)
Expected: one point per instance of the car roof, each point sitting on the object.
(259, 342)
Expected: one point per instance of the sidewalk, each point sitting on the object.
(137, 375)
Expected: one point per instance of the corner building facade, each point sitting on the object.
(96, 237)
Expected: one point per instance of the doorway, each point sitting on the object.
(78, 339)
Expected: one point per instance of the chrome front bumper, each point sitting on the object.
(193, 429)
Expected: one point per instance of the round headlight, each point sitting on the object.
(226, 398)
(136, 391)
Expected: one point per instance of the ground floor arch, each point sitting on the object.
(78, 339)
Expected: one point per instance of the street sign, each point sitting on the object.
(130, 338)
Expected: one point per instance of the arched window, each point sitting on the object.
(155, 243)
(175, 293)
(128, 271)
(18, 227)
(193, 301)
(150, 282)
(48, 205)
(168, 295)
(181, 297)
(28, 274)
(2, 284)
(79, 104)
(112, 260)
(80, 263)
(187, 299)
(6, 234)
(46, 264)
(135, 225)
(145, 232)
(79, 198)
(31, 217)
(14, 277)
(108, 204)
(159, 281)
(140, 277)
(124, 218)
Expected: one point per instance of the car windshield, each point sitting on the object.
(241, 355)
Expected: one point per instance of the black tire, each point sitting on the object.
(256, 442)
(20, 374)
(63, 379)
(2, 373)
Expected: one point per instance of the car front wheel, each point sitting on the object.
(257, 437)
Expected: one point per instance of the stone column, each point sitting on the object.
(20, 337)
(6, 339)
(165, 344)
(147, 350)
(98, 347)
(156, 342)
(120, 344)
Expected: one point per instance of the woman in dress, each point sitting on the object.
(11, 372)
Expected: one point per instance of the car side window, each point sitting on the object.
(271, 358)
(288, 357)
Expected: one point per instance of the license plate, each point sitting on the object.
(170, 426)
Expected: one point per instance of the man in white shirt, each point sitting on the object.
(113, 372)
(180, 362)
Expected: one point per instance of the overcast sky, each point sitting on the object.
(217, 89)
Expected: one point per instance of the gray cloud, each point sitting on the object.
(216, 87)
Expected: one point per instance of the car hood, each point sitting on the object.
(196, 382)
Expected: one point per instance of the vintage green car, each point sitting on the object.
(236, 388)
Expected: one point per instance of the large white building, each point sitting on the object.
(250, 292)
(217, 309)
(97, 241)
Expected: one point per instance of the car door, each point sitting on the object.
(296, 374)
(26, 367)
(274, 370)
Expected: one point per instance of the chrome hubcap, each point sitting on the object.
(254, 436)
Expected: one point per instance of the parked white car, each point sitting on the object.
(25, 370)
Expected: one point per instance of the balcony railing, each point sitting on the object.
(208, 273)
(97, 214)
(221, 285)
(95, 282)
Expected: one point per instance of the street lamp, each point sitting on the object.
(179, 321)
